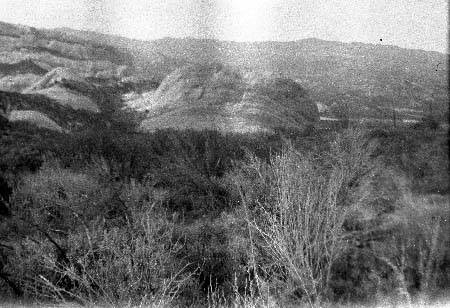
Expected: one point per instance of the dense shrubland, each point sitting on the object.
(203, 218)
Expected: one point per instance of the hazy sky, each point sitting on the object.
(419, 24)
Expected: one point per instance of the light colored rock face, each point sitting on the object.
(18, 83)
(136, 101)
(36, 118)
(218, 97)
(194, 86)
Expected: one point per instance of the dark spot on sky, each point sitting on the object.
(381, 40)
(437, 66)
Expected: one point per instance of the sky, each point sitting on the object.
(418, 24)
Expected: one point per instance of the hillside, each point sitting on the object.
(49, 50)
(346, 80)
(357, 74)
(67, 88)
(40, 69)
(368, 79)
(21, 67)
(214, 96)
(38, 108)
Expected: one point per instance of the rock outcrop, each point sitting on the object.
(215, 96)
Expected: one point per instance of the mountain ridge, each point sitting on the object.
(165, 38)
(348, 79)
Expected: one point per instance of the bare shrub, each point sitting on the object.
(51, 196)
(296, 207)
(303, 228)
(70, 250)
(417, 243)
(135, 264)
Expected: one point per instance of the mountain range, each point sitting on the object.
(331, 71)
(362, 80)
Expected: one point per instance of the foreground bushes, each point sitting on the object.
(296, 207)
(188, 221)
(83, 241)
(301, 227)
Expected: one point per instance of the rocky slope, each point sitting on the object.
(49, 69)
(56, 85)
(215, 96)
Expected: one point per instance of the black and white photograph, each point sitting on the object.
(224, 154)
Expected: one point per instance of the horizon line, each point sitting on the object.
(120, 36)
